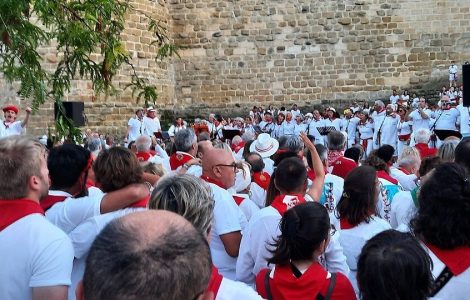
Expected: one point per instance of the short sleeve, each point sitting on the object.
(225, 214)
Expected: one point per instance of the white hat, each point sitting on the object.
(151, 108)
(242, 179)
(264, 145)
(332, 109)
(309, 115)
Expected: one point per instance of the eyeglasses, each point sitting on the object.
(234, 165)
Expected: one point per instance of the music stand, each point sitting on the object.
(443, 134)
(228, 134)
(326, 129)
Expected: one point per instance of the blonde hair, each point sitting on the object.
(20, 158)
(153, 168)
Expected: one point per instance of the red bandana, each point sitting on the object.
(238, 199)
(212, 180)
(333, 156)
(262, 179)
(214, 282)
(50, 200)
(344, 224)
(283, 202)
(238, 147)
(141, 203)
(384, 175)
(457, 260)
(143, 156)
(178, 159)
(425, 151)
(404, 170)
(13, 210)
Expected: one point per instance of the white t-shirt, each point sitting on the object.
(408, 182)
(174, 130)
(228, 218)
(464, 119)
(288, 127)
(235, 290)
(136, 129)
(418, 121)
(350, 127)
(268, 165)
(152, 125)
(394, 99)
(312, 129)
(446, 119)
(33, 253)
(13, 129)
(258, 195)
(261, 231)
(248, 207)
(403, 209)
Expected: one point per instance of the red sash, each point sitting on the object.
(404, 137)
(178, 159)
(457, 260)
(214, 282)
(141, 203)
(384, 175)
(143, 156)
(238, 199)
(211, 180)
(50, 200)
(13, 210)
(283, 202)
(262, 179)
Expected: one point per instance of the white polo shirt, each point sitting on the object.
(248, 207)
(407, 181)
(13, 129)
(403, 209)
(33, 253)
(136, 128)
(235, 290)
(418, 121)
(446, 119)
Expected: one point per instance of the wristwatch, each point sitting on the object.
(186, 166)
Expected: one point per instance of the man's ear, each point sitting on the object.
(79, 291)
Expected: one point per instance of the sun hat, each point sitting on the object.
(264, 145)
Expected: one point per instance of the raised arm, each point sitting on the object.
(26, 119)
(316, 189)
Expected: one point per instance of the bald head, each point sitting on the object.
(219, 164)
(131, 258)
(203, 147)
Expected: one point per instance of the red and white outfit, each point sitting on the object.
(180, 158)
(226, 289)
(261, 232)
(404, 135)
(425, 151)
(366, 135)
(248, 207)
(349, 126)
(353, 237)
(7, 129)
(315, 280)
(33, 252)
(405, 178)
(258, 188)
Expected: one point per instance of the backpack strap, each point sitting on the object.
(267, 287)
(441, 280)
(331, 286)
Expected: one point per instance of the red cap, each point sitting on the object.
(11, 107)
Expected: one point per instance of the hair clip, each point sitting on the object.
(345, 195)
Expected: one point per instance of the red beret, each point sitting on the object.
(11, 107)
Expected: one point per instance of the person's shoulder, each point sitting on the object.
(230, 289)
(343, 288)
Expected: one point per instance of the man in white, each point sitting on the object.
(385, 128)
(10, 126)
(394, 97)
(420, 118)
(265, 146)
(453, 69)
(151, 121)
(35, 256)
(464, 119)
(312, 127)
(186, 151)
(295, 111)
(136, 126)
(219, 169)
(445, 119)
(408, 166)
(349, 126)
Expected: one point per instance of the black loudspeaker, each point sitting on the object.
(73, 111)
(466, 84)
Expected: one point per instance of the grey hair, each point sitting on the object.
(143, 143)
(322, 152)
(409, 157)
(187, 196)
(379, 103)
(248, 136)
(422, 136)
(292, 143)
(94, 144)
(336, 140)
(447, 150)
(184, 140)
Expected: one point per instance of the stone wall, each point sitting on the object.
(240, 53)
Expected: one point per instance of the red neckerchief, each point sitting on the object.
(90, 183)
(141, 203)
(238, 147)
(262, 179)
(334, 155)
(457, 260)
(48, 201)
(344, 224)
(178, 159)
(214, 282)
(13, 210)
(425, 151)
(143, 156)
(283, 202)
(238, 199)
(384, 175)
(286, 286)
(212, 180)
(404, 170)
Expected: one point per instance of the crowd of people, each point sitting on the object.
(280, 204)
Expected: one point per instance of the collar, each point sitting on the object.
(262, 179)
(404, 170)
(143, 156)
(384, 175)
(214, 282)
(15, 209)
(52, 198)
(178, 159)
(141, 203)
(283, 202)
(457, 260)
(212, 180)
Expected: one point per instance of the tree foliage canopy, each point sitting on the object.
(87, 35)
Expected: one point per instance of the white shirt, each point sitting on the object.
(350, 127)
(268, 165)
(336, 123)
(312, 129)
(248, 207)
(407, 181)
(13, 129)
(288, 127)
(235, 290)
(403, 209)
(258, 195)
(174, 130)
(261, 231)
(446, 119)
(228, 218)
(33, 253)
(136, 128)
(295, 113)
(418, 121)
(152, 125)
(388, 126)
(464, 119)
(453, 69)
(394, 99)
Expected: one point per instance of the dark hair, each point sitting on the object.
(246, 149)
(376, 162)
(336, 140)
(444, 208)
(353, 153)
(427, 164)
(385, 153)
(280, 156)
(303, 228)
(256, 162)
(389, 264)
(322, 153)
(121, 265)
(66, 163)
(129, 146)
(291, 175)
(272, 191)
(359, 196)
(116, 168)
(462, 154)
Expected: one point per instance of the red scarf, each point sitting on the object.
(425, 151)
(237, 147)
(262, 179)
(214, 282)
(283, 202)
(141, 203)
(457, 260)
(13, 210)
(344, 224)
(143, 156)
(50, 200)
(212, 180)
(384, 175)
(238, 199)
(404, 170)
(334, 155)
(178, 159)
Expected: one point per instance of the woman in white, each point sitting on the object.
(366, 132)
(177, 126)
(357, 213)
(404, 130)
(288, 126)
